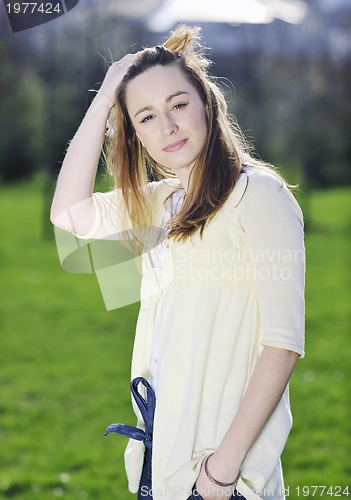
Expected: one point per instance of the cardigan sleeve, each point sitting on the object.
(273, 225)
(111, 216)
(107, 224)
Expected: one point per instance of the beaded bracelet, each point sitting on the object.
(218, 483)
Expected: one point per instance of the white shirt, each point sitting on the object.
(172, 207)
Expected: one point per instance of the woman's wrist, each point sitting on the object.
(222, 468)
(231, 483)
(230, 453)
(104, 98)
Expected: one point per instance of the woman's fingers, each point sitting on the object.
(115, 75)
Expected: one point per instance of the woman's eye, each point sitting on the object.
(180, 105)
(146, 119)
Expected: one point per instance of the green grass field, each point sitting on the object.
(65, 363)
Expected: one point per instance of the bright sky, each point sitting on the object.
(227, 11)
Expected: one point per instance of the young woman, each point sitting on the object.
(221, 322)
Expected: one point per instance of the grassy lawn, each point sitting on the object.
(65, 363)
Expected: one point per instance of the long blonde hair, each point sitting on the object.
(217, 168)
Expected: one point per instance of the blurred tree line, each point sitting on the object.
(297, 110)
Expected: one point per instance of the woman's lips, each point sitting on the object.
(175, 146)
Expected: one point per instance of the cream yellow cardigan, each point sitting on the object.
(224, 297)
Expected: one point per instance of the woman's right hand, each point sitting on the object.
(115, 75)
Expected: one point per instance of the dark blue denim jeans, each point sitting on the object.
(147, 409)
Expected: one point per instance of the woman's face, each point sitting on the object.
(168, 116)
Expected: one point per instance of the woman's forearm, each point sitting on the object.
(265, 389)
(72, 207)
(72, 204)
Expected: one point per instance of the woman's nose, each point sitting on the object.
(168, 125)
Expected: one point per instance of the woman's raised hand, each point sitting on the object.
(114, 76)
(72, 207)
